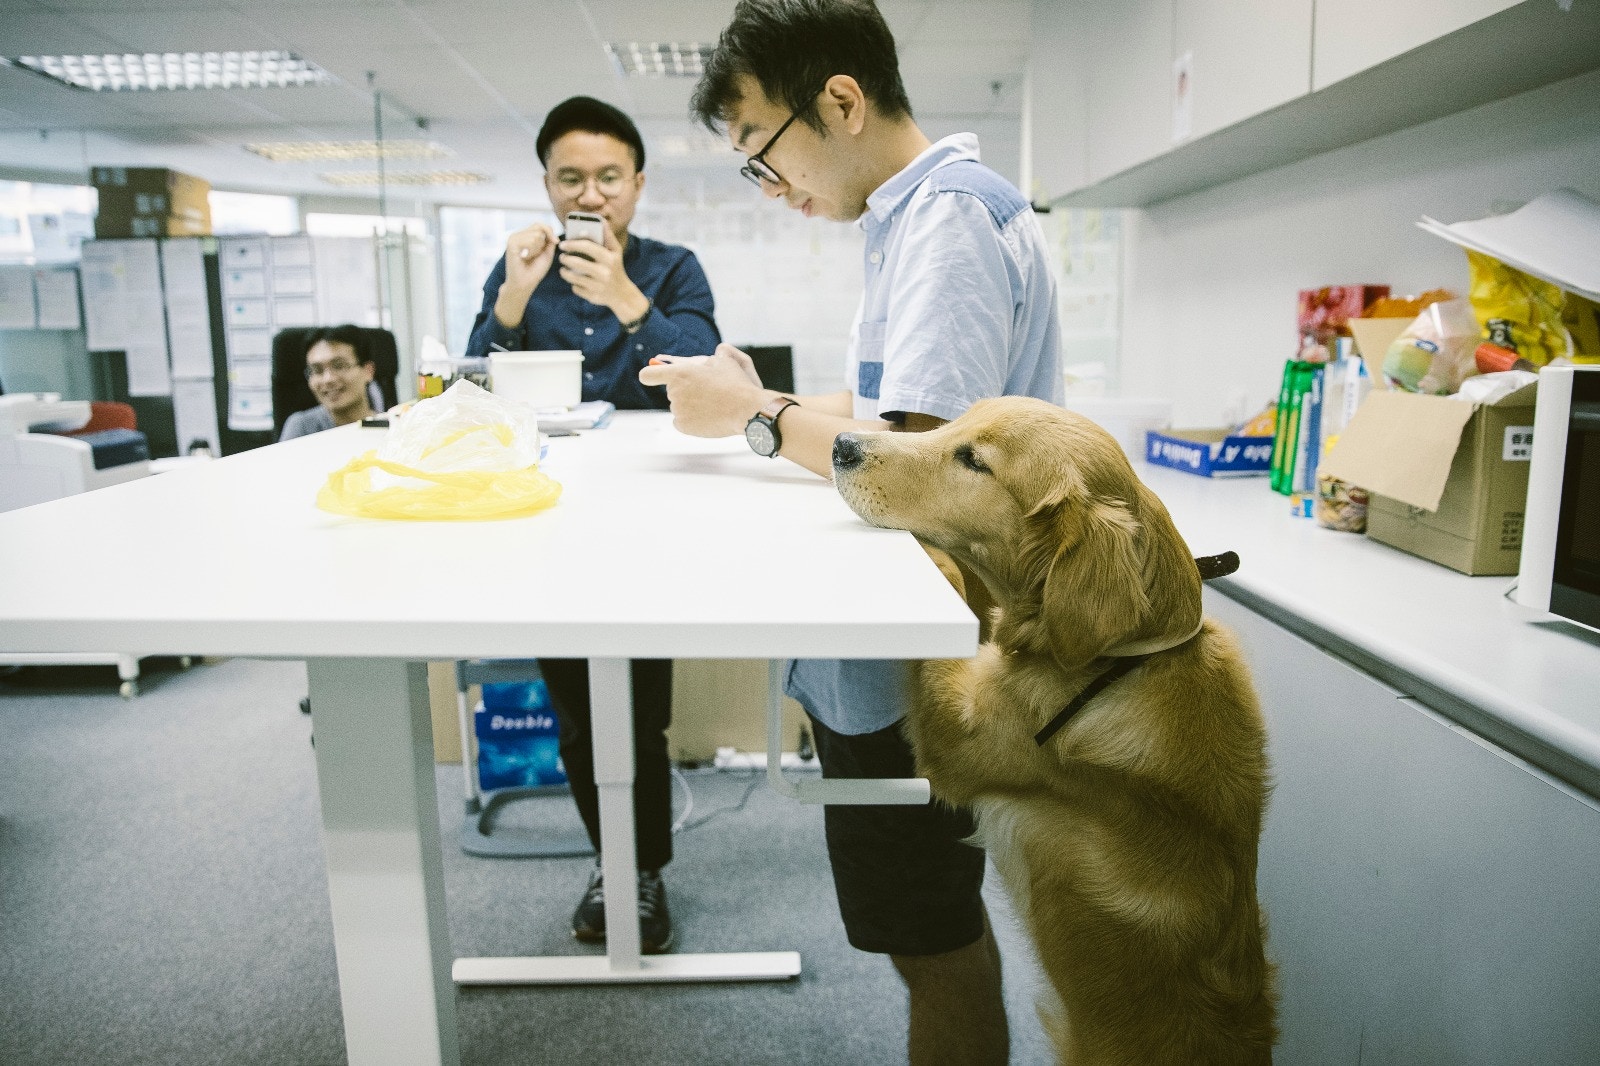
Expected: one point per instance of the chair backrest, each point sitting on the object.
(291, 393)
(775, 364)
(107, 414)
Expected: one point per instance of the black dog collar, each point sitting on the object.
(1210, 566)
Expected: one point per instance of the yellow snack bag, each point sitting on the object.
(1517, 312)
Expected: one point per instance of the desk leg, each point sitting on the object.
(380, 831)
(611, 721)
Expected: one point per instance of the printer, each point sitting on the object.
(40, 461)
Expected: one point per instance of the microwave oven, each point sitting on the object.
(1560, 568)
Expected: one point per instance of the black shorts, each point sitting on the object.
(906, 883)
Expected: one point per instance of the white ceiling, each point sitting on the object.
(481, 73)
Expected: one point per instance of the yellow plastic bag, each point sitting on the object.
(1517, 311)
(464, 455)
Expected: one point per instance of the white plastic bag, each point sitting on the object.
(465, 454)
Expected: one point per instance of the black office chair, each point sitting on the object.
(291, 393)
(775, 364)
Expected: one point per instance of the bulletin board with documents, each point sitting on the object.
(273, 283)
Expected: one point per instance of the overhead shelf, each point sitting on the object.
(1521, 48)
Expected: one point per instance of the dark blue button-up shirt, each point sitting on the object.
(680, 322)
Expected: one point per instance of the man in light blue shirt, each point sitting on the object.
(958, 305)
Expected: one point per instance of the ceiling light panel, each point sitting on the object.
(157, 71)
(635, 60)
(346, 151)
(352, 178)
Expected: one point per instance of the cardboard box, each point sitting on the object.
(1373, 337)
(518, 737)
(150, 202)
(1209, 452)
(1448, 479)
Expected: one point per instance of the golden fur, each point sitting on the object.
(1128, 840)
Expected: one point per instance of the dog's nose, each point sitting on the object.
(847, 451)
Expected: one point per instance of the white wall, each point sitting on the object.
(1211, 278)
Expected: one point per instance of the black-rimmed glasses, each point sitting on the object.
(756, 167)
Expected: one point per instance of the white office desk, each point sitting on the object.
(662, 546)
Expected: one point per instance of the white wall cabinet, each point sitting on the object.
(1129, 64)
(1274, 83)
(1353, 35)
(1249, 56)
(1430, 898)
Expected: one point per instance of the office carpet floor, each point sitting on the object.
(163, 900)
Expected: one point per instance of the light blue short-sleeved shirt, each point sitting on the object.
(959, 305)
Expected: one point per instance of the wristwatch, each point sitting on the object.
(762, 429)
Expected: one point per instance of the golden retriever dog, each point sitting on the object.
(1127, 837)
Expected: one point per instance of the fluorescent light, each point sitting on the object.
(635, 60)
(404, 177)
(153, 71)
(346, 151)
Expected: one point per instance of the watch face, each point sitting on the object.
(759, 433)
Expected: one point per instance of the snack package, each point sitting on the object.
(1325, 313)
(1406, 306)
(1436, 352)
(1340, 505)
(1581, 317)
(1517, 311)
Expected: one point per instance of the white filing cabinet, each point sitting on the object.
(1430, 897)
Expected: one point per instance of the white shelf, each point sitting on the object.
(1521, 48)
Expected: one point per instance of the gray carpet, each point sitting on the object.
(163, 900)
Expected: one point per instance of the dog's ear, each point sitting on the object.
(1092, 593)
(1120, 579)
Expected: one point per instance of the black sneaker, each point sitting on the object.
(655, 923)
(589, 920)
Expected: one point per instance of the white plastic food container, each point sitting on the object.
(542, 379)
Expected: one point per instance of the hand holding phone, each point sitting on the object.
(583, 226)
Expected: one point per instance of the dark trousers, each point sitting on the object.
(568, 682)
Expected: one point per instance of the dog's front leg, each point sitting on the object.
(945, 730)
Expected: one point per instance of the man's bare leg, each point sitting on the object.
(958, 1015)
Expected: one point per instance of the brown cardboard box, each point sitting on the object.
(1448, 479)
(1373, 337)
(150, 202)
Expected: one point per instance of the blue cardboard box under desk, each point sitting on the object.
(1209, 452)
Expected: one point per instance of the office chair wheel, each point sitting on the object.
(128, 689)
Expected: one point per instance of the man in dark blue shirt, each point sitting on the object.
(620, 303)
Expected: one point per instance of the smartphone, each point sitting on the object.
(581, 225)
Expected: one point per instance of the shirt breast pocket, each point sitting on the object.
(869, 359)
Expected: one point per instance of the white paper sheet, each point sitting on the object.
(183, 275)
(102, 270)
(144, 336)
(56, 292)
(1556, 237)
(16, 298)
(347, 280)
(194, 413)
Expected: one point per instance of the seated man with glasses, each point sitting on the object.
(621, 304)
(339, 369)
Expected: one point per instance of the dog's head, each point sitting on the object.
(1043, 505)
